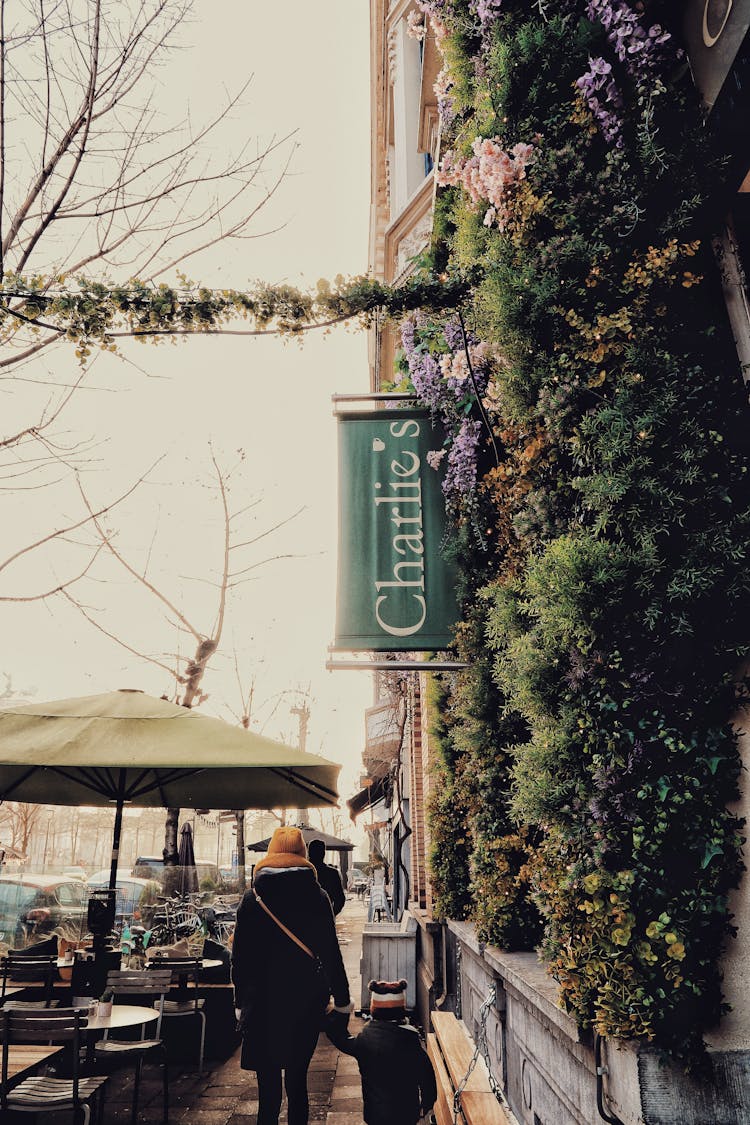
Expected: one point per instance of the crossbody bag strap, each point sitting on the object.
(281, 926)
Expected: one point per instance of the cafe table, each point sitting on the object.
(205, 962)
(122, 1015)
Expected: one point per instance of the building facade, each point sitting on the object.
(550, 1072)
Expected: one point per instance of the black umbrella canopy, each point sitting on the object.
(186, 861)
(332, 843)
(126, 747)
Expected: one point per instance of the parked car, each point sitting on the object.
(134, 895)
(152, 867)
(230, 879)
(358, 880)
(74, 873)
(32, 906)
(100, 878)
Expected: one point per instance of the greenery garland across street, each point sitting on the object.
(96, 314)
(604, 535)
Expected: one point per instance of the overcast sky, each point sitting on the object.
(311, 73)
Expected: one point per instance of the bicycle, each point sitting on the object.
(176, 919)
(219, 922)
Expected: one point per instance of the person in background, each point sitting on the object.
(286, 962)
(398, 1082)
(328, 876)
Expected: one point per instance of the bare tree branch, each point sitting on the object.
(61, 588)
(82, 73)
(92, 517)
(77, 604)
(94, 176)
(269, 531)
(45, 421)
(188, 672)
(106, 540)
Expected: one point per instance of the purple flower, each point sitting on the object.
(432, 7)
(599, 66)
(424, 370)
(461, 473)
(408, 333)
(454, 335)
(603, 98)
(642, 51)
(426, 377)
(446, 110)
(487, 11)
(440, 380)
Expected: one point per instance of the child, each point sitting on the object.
(398, 1082)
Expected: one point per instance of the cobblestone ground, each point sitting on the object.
(227, 1095)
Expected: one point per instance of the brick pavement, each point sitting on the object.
(227, 1095)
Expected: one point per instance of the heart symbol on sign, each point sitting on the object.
(378, 445)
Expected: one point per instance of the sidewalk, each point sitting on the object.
(227, 1095)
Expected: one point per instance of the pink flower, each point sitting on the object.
(415, 25)
(442, 83)
(487, 175)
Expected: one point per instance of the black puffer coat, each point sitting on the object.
(398, 1082)
(330, 881)
(277, 987)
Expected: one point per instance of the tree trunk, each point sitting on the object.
(169, 851)
(240, 819)
(171, 873)
(194, 673)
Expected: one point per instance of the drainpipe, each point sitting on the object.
(440, 1000)
(601, 1070)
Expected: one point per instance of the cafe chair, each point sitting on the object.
(28, 1005)
(23, 969)
(40, 1093)
(184, 975)
(151, 988)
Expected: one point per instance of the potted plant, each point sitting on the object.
(68, 939)
(104, 1007)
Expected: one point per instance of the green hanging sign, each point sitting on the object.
(396, 592)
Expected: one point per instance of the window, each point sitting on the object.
(71, 894)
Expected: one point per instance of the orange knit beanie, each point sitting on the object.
(286, 848)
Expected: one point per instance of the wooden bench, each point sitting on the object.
(451, 1051)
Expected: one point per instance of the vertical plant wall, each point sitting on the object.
(596, 471)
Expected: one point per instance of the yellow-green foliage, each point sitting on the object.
(611, 598)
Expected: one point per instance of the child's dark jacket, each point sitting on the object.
(398, 1082)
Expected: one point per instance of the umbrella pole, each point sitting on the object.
(101, 919)
(117, 831)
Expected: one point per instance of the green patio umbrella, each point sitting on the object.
(126, 747)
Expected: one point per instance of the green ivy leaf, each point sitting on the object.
(710, 852)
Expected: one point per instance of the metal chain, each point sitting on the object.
(481, 1047)
(458, 979)
(483, 1043)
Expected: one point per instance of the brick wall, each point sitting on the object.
(418, 855)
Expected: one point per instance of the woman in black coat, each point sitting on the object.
(281, 992)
